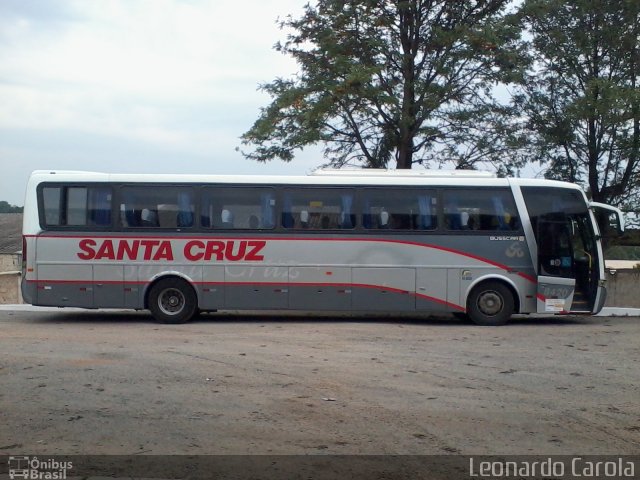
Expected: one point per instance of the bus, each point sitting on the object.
(462, 242)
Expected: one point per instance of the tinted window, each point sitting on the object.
(77, 206)
(563, 231)
(318, 209)
(99, 206)
(481, 210)
(157, 207)
(52, 204)
(399, 209)
(238, 208)
(551, 202)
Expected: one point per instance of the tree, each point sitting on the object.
(5, 207)
(579, 99)
(382, 80)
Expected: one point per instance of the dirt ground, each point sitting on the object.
(118, 383)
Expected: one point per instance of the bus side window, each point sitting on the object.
(318, 209)
(480, 210)
(347, 219)
(100, 206)
(237, 208)
(77, 206)
(129, 215)
(453, 216)
(52, 203)
(399, 209)
(185, 210)
(151, 206)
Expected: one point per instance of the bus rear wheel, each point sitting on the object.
(173, 300)
(490, 303)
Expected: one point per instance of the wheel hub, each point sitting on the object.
(490, 303)
(171, 301)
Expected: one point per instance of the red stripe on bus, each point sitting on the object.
(527, 277)
(93, 282)
(441, 302)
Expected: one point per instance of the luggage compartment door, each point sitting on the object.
(384, 289)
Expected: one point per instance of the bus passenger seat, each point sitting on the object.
(184, 219)
(453, 221)
(149, 218)
(384, 219)
(304, 219)
(464, 220)
(227, 218)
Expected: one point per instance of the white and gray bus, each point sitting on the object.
(466, 243)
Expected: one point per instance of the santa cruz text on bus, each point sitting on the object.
(155, 250)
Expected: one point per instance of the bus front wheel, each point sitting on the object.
(172, 300)
(490, 303)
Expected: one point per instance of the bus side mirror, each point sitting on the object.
(614, 217)
(617, 222)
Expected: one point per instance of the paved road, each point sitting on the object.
(87, 382)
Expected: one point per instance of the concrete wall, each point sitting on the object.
(623, 288)
(10, 279)
(10, 288)
(9, 262)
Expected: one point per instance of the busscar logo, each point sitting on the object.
(514, 250)
(33, 468)
(507, 238)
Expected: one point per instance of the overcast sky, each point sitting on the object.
(136, 85)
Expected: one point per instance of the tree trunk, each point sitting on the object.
(405, 153)
(408, 30)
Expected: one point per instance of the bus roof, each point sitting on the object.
(389, 173)
(360, 177)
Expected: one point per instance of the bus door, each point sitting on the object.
(568, 264)
(569, 259)
(556, 279)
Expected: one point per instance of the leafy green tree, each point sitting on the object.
(5, 207)
(579, 101)
(382, 80)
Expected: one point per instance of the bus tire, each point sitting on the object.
(490, 303)
(172, 300)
